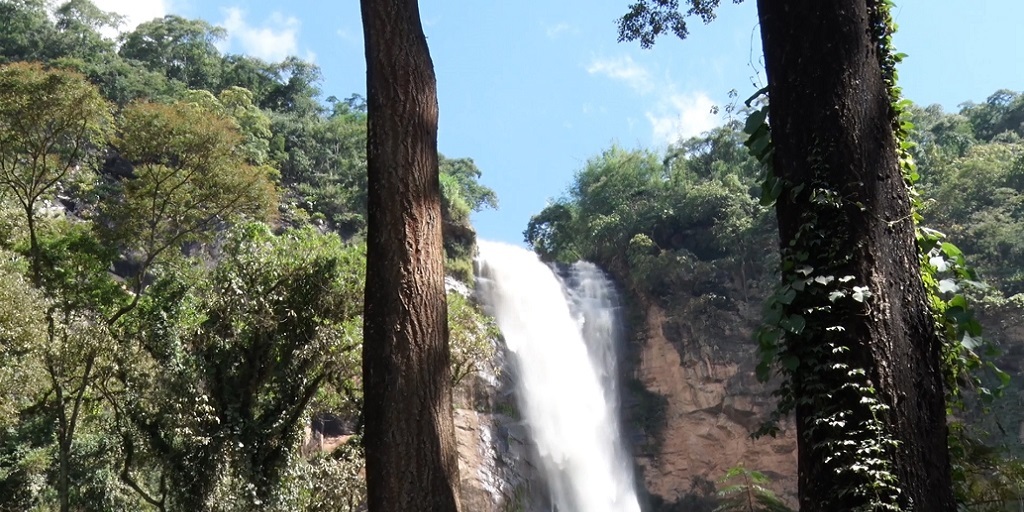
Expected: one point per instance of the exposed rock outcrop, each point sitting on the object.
(693, 402)
(692, 399)
(494, 449)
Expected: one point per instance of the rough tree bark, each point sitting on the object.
(831, 127)
(411, 458)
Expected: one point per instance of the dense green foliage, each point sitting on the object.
(239, 352)
(981, 214)
(972, 178)
(317, 147)
(685, 223)
(182, 270)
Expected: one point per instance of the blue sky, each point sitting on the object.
(531, 89)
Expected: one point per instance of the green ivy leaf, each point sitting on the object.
(755, 120)
(760, 92)
(773, 315)
(770, 190)
(972, 327)
(1004, 378)
(953, 252)
(957, 315)
(763, 371)
(790, 362)
(793, 323)
(768, 337)
(860, 293)
(824, 280)
(970, 342)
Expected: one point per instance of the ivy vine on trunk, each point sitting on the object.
(859, 347)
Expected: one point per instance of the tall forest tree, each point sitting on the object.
(24, 30)
(189, 176)
(860, 353)
(49, 121)
(411, 459)
(183, 49)
(226, 361)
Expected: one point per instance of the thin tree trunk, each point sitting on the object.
(831, 124)
(33, 246)
(411, 458)
(63, 455)
(66, 426)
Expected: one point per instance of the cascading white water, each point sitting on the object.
(563, 339)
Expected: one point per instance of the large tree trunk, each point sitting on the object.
(411, 458)
(831, 124)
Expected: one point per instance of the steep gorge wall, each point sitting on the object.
(694, 400)
(496, 470)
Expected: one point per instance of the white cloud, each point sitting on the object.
(274, 41)
(624, 69)
(673, 114)
(349, 37)
(559, 29)
(681, 116)
(134, 11)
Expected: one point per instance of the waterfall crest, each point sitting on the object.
(562, 334)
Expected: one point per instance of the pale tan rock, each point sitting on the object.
(712, 404)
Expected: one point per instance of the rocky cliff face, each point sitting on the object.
(693, 402)
(495, 466)
(486, 464)
(692, 399)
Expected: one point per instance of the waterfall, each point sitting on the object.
(562, 336)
